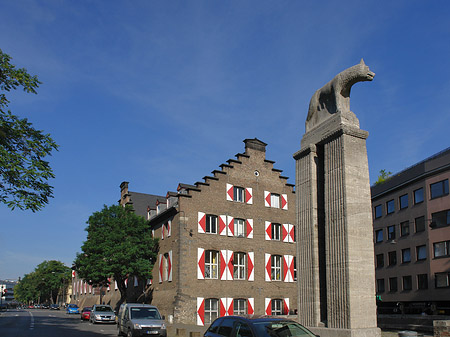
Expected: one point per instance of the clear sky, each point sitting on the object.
(162, 92)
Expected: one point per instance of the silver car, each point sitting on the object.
(102, 313)
(140, 320)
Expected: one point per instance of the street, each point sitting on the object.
(50, 323)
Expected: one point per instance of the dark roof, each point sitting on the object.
(141, 201)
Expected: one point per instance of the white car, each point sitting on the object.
(102, 313)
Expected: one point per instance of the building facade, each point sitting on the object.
(411, 213)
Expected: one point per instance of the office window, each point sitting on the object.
(440, 219)
(393, 284)
(239, 306)
(421, 252)
(442, 280)
(392, 258)
(418, 196)
(379, 235)
(420, 224)
(277, 307)
(439, 189)
(276, 231)
(238, 194)
(406, 255)
(422, 281)
(211, 309)
(380, 261)
(276, 261)
(239, 266)
(211, 224)
(211, 264)
(403, 201)
(404, 228)
(380, 285)
(378, 211)
(391, 232)
(274, 200)
(239, 227)
(390, 206)
(407, 283)
(441, 249)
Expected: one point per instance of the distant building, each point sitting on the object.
(411, 213)
(9, 297)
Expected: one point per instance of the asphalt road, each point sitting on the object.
(50, 323)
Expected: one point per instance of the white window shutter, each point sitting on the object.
(170, 266)
(230, 192)
(200, 311)
(268, 306)
(223, 225)
(266, 198)
(250, 306)
(200, 263)
(160, 261)
(251, 266)
(284, 202)
(201, 222)
(230, 226)
(169, 228)
(223, 265)
(229, 307)
(249, 228)
(230, 266)
(285, 232)
(268, 269)
(249, 195)
(286, 306)
(268, 230)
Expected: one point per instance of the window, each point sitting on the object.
(403, 201)
(390, 207)
(211, 309)
(406, 255)
(243, 330)
(380, 261)
(211, 224)
(404, 228)
(441, 249)
(391, 232)
(239, 227)
(378, 211)
(380, 285)
(239, 306)
(276, 231)
(422, 281)
(420, 224)
(393, 284)
(238, 194)
(442, 280)
(211, 264)
(418, 196)
(440, 219)
(276, 267)
(275, 200)
(166, 266)
(226, 327)
(407, 283)
(295, 268)
(277, 307)
(392, 258)
(439, 189)
(239, 266)
(421, 252)
(379, 235)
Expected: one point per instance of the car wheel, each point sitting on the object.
(130, 333)
(119, 333)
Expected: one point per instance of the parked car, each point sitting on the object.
(54, 306)
(86, 313)
(72, 309)
(256, 327)
(136, 319)
(102, 314)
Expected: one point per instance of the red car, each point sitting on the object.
(86, 313)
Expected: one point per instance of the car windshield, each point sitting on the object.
(103, 308)
(281, 329)
(87, 309)
(73, 306)
(138, 313)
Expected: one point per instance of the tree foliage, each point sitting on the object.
(24, 173)
(120, 245)
(384, 175)
(43, 284)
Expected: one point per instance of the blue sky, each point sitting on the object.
(162, 92)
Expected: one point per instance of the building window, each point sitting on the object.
(239, 306)
(441, 249)
(275, 200)
(393, 284)
(379, 235)
(420, 224)
(239, 227)
(421, 252)
(166, 266)
(238, 194)
(378, 211)
(392, 258)
(211, 264)
(276, 267)
(440, 219)
(295, 268)
(422, 281)
(380, 260)
(391, 232)
(442, 280)
(439, 189)
(276, 231)
(211, 224)
(407, 283)
(380, 285)
(277, 307)
(404, 228)
(390, 207)
(239, 266)
(211, 309)
(406, 255)
(418, 196)
(403, 200)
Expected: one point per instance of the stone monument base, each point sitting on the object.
(330, 332)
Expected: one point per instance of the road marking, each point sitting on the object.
(32, 321)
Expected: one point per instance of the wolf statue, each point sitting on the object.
(334, 97)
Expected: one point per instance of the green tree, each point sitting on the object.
(24, 173)
(120, 245)
(25, 291)
(384, 175)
